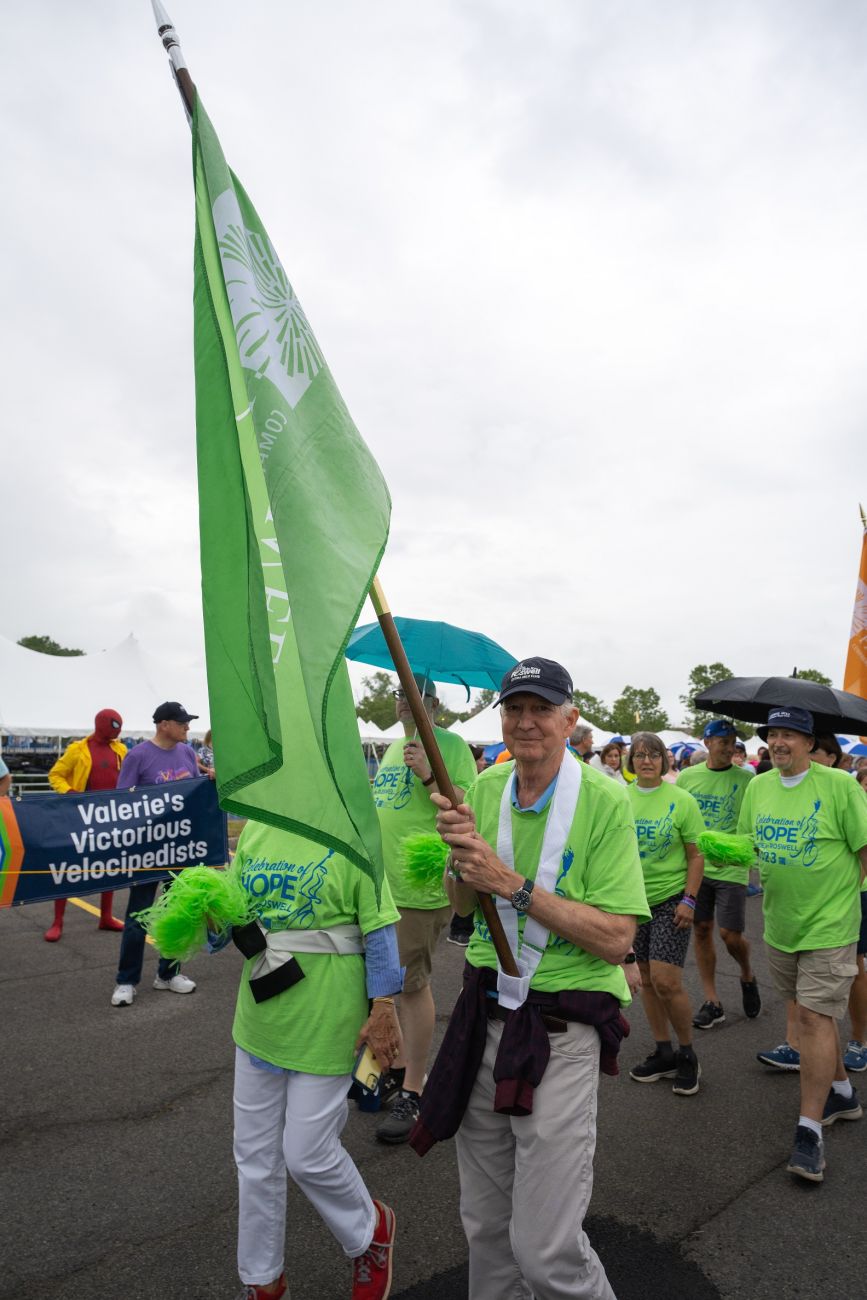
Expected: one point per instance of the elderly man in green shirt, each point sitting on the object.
(809, 825)
(553, 841)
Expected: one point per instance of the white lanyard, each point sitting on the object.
(513, 990)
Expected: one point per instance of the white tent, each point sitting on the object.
(485, 728)
(54, 695)
(394, 732)
(482, 729)
(369, 730)
(674, 736)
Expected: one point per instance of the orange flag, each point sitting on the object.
(855, 675)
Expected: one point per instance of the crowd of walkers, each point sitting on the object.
(594, 867)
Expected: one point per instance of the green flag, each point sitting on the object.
(294, 516)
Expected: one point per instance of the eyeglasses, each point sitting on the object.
(401, 695)
(643, 754)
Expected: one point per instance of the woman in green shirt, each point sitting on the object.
(668, 822)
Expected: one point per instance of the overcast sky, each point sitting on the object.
(592, 279)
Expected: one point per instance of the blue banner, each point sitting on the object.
(53, 846)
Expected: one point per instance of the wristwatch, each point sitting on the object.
(520, 900)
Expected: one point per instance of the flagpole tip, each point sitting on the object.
(160, 15)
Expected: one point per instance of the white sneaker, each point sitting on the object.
(123, 995)
(177, 984)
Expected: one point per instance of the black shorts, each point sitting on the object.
(862, 938)
(659, 939)
(727, 898)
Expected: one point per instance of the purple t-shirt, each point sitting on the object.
(147, 764)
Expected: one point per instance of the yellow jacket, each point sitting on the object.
(72, 769)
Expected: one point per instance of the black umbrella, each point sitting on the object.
(750, 698)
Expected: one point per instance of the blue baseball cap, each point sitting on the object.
(792, 719)
(719, 727)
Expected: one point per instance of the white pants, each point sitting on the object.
(293, 1121)
(526, 1180)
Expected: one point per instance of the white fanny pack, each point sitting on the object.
(513, 989)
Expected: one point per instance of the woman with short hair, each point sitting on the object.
(668, 822)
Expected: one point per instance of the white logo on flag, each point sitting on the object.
(859, 616)
(272, 332)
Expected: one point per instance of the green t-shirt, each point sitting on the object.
(300, 885)
(719, 795)
(666, 820)
(600, 866)
(808, 837)
(404, 808)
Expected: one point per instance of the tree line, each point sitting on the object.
(636, 707)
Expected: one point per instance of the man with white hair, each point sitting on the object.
(581, 741)
(553, 841)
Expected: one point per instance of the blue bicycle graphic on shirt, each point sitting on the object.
(807, 850)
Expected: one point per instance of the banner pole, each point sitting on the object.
(169, 37)
(505, 956)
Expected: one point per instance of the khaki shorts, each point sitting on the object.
(818, 980)
(417, 932)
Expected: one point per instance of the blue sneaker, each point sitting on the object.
(837, 1107)
(783, 1057)
(856, 1056)
(808, 1155)
(754, 891)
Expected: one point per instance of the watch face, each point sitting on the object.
(521, 900)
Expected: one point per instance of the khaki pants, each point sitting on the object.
(526, 1180)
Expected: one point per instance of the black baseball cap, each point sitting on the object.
(537, 677)
(171, 711)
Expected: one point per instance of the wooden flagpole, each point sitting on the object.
(505, 956)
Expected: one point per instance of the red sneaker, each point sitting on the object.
(273, 1291)
(53, 933)
(371, 1275)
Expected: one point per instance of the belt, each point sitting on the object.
(554, 1024)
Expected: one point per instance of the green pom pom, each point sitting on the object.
(176, 922)
(422, 859)
(727, 850)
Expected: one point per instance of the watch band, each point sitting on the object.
(522, 897)
(430, 780)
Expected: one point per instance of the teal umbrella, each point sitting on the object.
(441, 651)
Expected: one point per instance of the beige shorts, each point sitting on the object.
(417, 932)
(819, 980)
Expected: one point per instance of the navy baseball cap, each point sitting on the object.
(719, 727)
(792, 719)
(537, 677)
(171, 711)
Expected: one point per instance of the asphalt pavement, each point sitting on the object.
(117, 1180)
